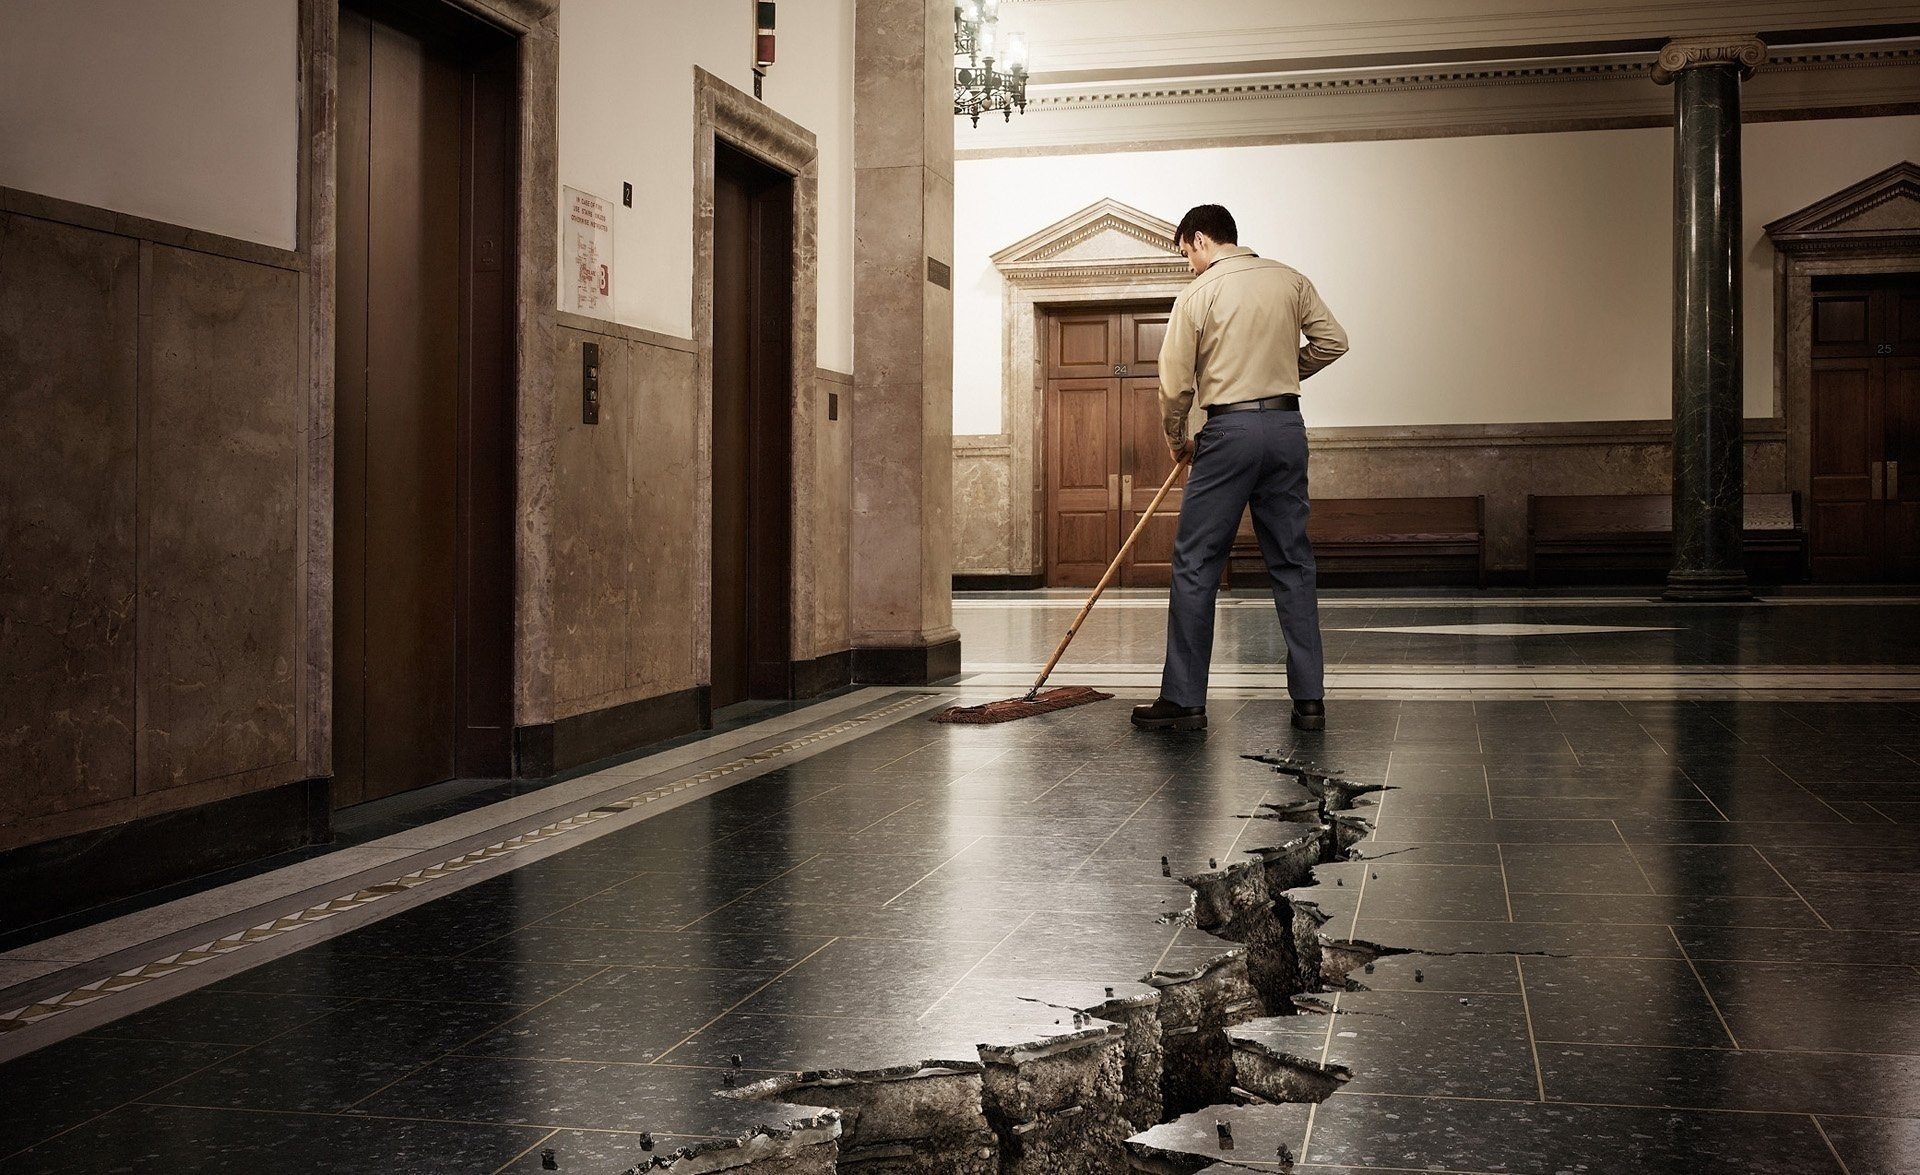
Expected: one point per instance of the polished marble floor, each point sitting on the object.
(1657, 934)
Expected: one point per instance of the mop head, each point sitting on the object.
(1012, 708)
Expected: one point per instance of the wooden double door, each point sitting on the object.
(1105, 453)
(1863, 516)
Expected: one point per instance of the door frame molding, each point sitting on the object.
(1105, 254)
(535, 26)
(723, 113)
(1870, 228)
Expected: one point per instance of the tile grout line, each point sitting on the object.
(1704, 990)
(1018, 926)
(1792, 888)
(730, 1008)
(1506, 887)
(54, 1005)
(1831, 1149)
(542, 1141)
(937, 868)
(1533, 1041)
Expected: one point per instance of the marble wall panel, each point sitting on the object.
(68, 336)
(982, 484)
(1557, 460)
(592, 505)
(221, 456)
(665, 541)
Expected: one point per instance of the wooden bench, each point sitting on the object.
(1628, 538)
(1368, 541)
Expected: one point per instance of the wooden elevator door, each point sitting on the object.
(422, 438)
(752, 430)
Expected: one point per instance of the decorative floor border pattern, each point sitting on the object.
(51, 1006)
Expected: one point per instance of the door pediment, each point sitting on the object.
(1105, 240)
(1881, 210)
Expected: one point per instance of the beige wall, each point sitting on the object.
(184, 111)
(1503, 279)
(626, 114)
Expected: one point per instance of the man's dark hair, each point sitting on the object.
(1210, 219)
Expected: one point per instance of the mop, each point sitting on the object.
(1036, 702)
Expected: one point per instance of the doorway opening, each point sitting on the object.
(752, 577)
(1103, 448)
(424, 434)
(1863, 515)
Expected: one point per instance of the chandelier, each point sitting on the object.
(979, 86)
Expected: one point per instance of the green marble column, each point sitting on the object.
(1708, 462)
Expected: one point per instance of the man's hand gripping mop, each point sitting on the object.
(1036, 702)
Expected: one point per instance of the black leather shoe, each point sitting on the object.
(1164, 715)
(1310, 714)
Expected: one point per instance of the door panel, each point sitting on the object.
(1842, 527)
(1082, 346)
(1145, 463)
(732, 437)
(1901, 541)
(1082, 484)
(1142, 336)
(1842, 319)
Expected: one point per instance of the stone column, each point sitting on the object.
(903, 342)
(1708, 475)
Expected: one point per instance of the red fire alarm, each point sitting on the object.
(762, 41)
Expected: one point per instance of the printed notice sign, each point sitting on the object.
(589, 253)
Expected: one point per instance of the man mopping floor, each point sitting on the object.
(1233, 346)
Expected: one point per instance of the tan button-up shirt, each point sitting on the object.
(1235, 335)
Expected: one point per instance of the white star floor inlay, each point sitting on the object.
(1506, 629)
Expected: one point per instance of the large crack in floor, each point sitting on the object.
(1183, 1070)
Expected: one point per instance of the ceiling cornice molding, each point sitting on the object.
(1550, 94)
(1544, 71)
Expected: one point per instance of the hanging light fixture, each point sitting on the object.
(987, 75)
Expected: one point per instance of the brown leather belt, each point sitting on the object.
(1282, 403)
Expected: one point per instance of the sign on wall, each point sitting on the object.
(589, 249)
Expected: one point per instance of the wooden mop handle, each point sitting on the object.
(1113, 569)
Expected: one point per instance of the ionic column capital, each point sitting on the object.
(1748, 53)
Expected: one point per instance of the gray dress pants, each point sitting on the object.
(1241, 458)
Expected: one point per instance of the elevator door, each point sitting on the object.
(752, 429)
(423, 431)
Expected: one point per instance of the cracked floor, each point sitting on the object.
(1654, 935)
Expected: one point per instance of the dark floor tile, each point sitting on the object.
(1449, 974)
(1818, 1007)
(589, 1095)
(1535, 1139)
(1663, 909)
(1621, 1001)
(1715, 869)
(142, 1139)
(1801, 945)
(1571, 939)
(321, 971)
(1865, 901)
(1429, 854)
(626, 1015)
(64, 1084)
(1573, 869)
(1725, 1079)
(1435, 1043)
(1545, 832)
(861, 977)
(1443, 893)
(220, 1017)
(772, 950)
(1875, 1146)
(594, 1152)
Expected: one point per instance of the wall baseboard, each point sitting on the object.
(920, 665)
(822, 675)
(998, 583)
(56, 878)
(549, 748)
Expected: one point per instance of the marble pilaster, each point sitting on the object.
(1707, 376)
(902, 540)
